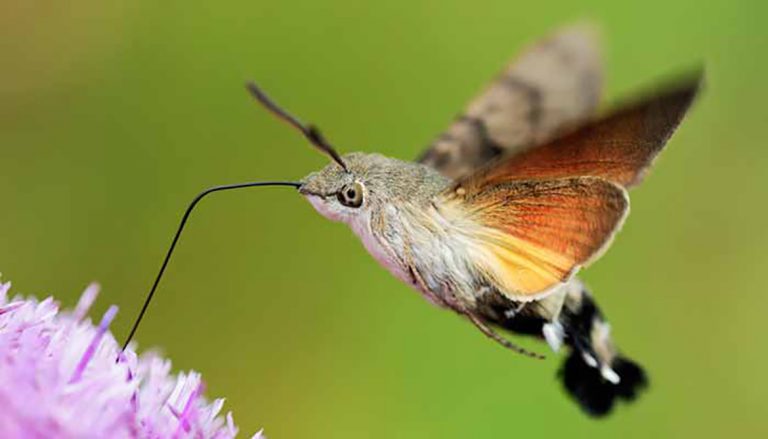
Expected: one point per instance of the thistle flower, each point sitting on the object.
(63, 377)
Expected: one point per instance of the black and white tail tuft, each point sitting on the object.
(595, 375)
(595, 394)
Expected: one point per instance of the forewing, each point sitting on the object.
(619, 147)
(554, 85)
(530, 236)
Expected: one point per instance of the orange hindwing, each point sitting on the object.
(529, 236)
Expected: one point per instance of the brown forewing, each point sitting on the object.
(619, 147)
(554, 84)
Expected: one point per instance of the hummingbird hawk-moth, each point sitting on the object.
(501, 211)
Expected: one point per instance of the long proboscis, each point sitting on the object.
(183, 222)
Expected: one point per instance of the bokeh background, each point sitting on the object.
(114, 114)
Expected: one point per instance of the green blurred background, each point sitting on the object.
(114, 114)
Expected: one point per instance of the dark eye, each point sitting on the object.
(351, 195)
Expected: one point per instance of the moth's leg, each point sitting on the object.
(461, 308)
(539, 318)
(493, 335)
(451, 301)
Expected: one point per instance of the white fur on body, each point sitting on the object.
(405, 238)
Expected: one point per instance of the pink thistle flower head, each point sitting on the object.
(63, 377)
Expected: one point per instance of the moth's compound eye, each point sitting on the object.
(351, 195)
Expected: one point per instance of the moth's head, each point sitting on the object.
(367, 182)
(343, 193)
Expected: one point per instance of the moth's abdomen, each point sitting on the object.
(595, 374)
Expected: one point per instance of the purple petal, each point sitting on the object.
(103, 326)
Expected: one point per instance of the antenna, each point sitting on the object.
(184, 218)
(311, 132)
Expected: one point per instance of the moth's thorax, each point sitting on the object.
(437, 250)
